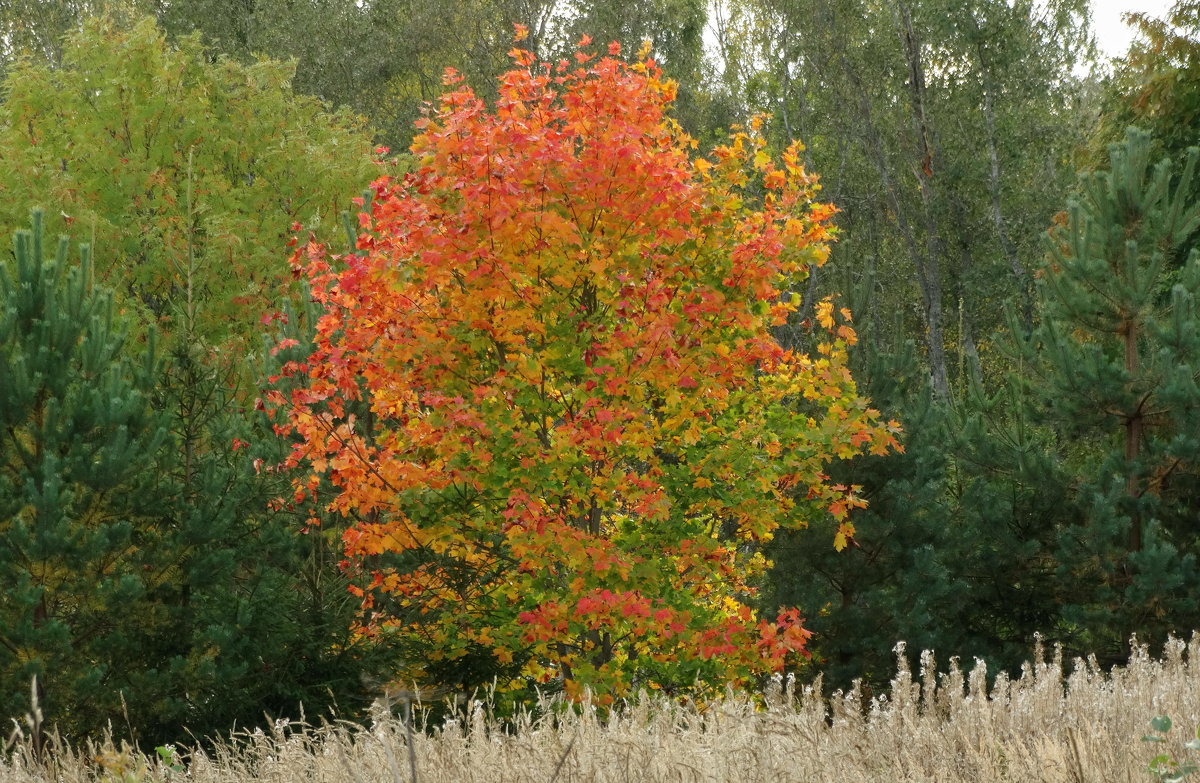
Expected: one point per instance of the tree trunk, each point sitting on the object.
(1133, 437)
(1006, 243)
(931, 280)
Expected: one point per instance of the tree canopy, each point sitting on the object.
(182, 171)
(574, 420)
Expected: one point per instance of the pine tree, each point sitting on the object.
(950, 553)
(144, 573)
(1114, 365)
(851, 598)
(261, 616)
(78, 434)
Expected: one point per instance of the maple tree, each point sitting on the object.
(545, 391)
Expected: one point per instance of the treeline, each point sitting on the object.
(1033, 329)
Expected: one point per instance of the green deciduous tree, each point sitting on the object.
(1156, 85)
(162, 156)
(944, 130)
(1061, 504)
(185, 169)
(36, 28)
(380, 58)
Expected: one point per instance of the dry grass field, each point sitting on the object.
(1057, 722)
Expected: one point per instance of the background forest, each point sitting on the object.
(1016, 232)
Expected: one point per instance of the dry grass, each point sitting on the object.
(1047, 725)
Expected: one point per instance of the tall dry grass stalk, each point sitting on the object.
(1047, 725)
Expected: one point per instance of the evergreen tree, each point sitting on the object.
(949, 555)
(890, 583)
(260, 616)
(79, 436)
(147, 580)
(1064, 504)
(1113, 369)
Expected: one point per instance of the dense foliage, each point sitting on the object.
(181, 171)
(144, 576)
(142, 564)
(583, 374)
(1063, 503)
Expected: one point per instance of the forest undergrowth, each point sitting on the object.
(1057, 721)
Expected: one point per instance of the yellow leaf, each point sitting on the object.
(825, 313)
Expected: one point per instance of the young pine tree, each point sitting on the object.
(1114, 366)
(144, 575)
(77, 433)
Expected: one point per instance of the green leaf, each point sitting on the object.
(1161, 723)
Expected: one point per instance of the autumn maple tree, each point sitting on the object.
(545, 395)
